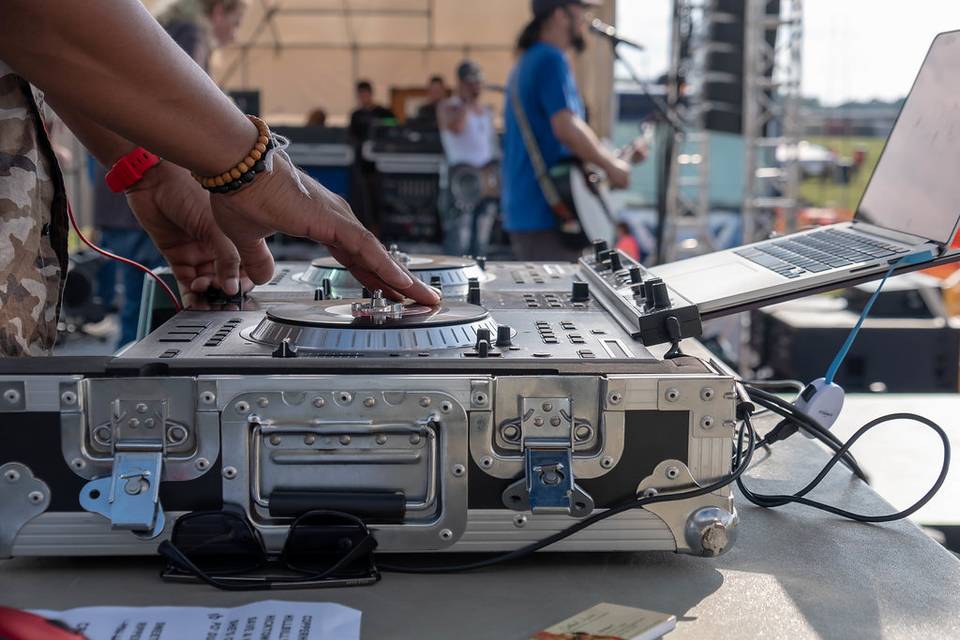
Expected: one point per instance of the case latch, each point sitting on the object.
(547, 440)
(130, 496)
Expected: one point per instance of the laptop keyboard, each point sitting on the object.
(794, 256)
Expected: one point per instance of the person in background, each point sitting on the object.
(200, 27)
(366, 200)
(469, 140)
(548, 92)
(317, 118)
(626, 242)
(436, 93)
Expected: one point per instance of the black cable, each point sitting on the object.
(590, 520)
(771, 501)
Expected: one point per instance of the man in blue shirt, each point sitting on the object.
(551, 101)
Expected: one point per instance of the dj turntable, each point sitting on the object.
(529, 400)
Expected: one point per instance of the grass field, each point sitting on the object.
(826, 193)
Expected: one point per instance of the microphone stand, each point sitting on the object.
(677, 128)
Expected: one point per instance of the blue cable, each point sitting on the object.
(913, 258)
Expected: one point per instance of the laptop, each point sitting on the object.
(911, 205)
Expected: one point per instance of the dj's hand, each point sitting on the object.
(175, 211)
(288, 201)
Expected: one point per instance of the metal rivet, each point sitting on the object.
(606, 462)
(381, 438)
(141, 407)
(369, 401)
(263, 402)
(649, 493)
(583, 432)
(35, 497)
(459, 470)
(672, 473)
(547, 407)
(445, 407)
(706, 422)
(672, 395)
(202, 463)
(78, 463)
(446, 534)
(242, 407)
(102, 435)
(345, 439)
(149, 423)
(555, 421)
(230, 473)
(480, 398)
(319, 402)
(538, 421)
(510, 432)
(425, 401)
(345, 397)
(615, 398)
(519, 520)
(309, 439)
(415, 438)
(208, 397)
(12, 396)
(68, 397)
(133, 423)
(275, 440)
(177, 434)
(486, 462)
(707, 394)
(12, 475)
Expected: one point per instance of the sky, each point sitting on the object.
(853, 49)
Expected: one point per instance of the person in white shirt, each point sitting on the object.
(469, 142)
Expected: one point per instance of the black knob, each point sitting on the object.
(473, 296)
(327, 288)
(636, 277)
(603, 259)
(581, 292)
(482, 262)
(286, 349)
(639, 291)
(366, 293)
(318, 294)
(436, 283)
(503, 335)
(483, 349)
(648, 291)
(483, 335)
(657, 295)
(615, 262)
(599, 246)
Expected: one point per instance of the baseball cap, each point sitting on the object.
(469, 71)
(543, 7)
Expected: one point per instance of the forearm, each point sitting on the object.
(105, 145)
(108, 61)
(576, 135)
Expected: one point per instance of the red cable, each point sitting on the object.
(163, 285)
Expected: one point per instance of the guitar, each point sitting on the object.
(470, 185)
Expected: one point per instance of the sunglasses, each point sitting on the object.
(222, 549)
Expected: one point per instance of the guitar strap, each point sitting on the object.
(547, 186)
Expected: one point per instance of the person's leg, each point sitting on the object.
(542, 246)
(484, 219)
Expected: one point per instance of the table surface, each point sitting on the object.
(793, 573)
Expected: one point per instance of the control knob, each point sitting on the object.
(580, 292)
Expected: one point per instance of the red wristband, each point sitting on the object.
(129, 169)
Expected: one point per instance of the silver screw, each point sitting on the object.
(345, 439)
(649, 493)
(606, 462)
(35, 497)
(707, 394)
(706, 422)
(309, 439)
(445, 407)
(538, 421)
(425, 401)
(208, 397)
(415, 438)
(78, 463)
(672, 473)
(202, 463)
(319, 402)
(381, 438)
(68, 397)
(446, 534)
(555, 421)
(141, 407)
(486, 462)
(615, 398)
(459, 470)
(12, 396)
(230, 473)
(242, 407)
(369, 401)
(275, 440)
(263, 402)
(672, 395)
(519, 520)
(547, 407)
(12, 475)
(583, 432)
(133, 422)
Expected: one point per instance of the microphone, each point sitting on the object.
(609, 32)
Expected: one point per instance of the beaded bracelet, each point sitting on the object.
(247, 169)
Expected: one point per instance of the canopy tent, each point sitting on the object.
(305, 54)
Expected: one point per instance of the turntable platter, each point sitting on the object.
(450, 271)
(339, 326)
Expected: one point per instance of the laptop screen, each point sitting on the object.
(916, 185)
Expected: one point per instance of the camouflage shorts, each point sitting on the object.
(32, 225)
